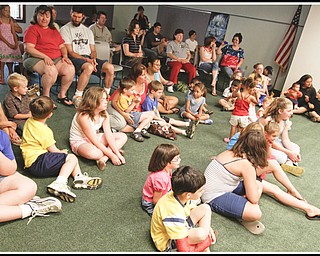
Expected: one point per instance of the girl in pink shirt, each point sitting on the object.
(164, 159)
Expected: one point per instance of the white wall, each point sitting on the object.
(307, 55)
(262, 25)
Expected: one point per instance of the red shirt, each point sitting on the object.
(46, 40)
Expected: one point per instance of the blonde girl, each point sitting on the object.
(164, 159)
(285, 151)
(86, 139)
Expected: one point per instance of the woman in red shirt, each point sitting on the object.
(46, 54)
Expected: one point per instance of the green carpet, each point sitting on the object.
(110, 219)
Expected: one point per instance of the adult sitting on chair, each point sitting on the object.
(179, 57)
(232, 55)
(208, 62)
(155, 43)
(79, 41)
(102, 34)
(131, 45)
(46, 54)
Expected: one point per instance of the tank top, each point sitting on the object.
(241, 106)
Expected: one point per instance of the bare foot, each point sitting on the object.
(101, 164)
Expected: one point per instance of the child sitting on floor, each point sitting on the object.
(43, 159)
(128, 103)
(176, 221)
(193, 107)
(164, 159)
(17, 101)
(90, 132)
(151, 104)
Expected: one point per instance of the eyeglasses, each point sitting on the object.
(176, 159)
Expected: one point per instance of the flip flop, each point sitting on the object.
(255, 227)
(316, 217)
(65, 101)
(174, 110)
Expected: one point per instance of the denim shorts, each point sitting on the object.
(230, 204)
(77, 63)
(136, 118)
(47, 165)
(147, 206)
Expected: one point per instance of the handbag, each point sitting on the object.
(229, 61)
(33, 91)
(162, 130)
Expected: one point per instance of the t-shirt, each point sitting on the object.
(150, 104)
(169, 220)
(46, 40)
(178, 49)
(79, 37)
(103, 35)
(159, 181)
(5, 145)
(37, 137)
(152, 38)
(192, 44)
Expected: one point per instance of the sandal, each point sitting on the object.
(255, 227)
(174, 111)
(65, 101)
(145, 133)
(137, 136)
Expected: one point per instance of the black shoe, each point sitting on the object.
(191, 129)
(137, 136)
(167, 119)
(145, 133)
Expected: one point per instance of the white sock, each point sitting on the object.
(107, 90)
(137, 130)
(26, 210)
(184, 132)
(188, 123)
(78, 93)
(62, 179)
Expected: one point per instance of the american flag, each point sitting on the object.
(284, 52)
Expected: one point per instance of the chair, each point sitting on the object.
(104, 53)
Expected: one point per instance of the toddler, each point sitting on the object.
(293, 94)
(240, 115)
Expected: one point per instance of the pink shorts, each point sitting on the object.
(76, 144)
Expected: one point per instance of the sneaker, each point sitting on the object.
(170, 89)
(42, 206)
(76, 100)
(295, 170)
(62, 191)
(145, 133)
(226, 140)
(191, 129)
(87, 182)
(208, 121)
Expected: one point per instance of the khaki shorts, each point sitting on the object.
(241, 121)
(29, 62)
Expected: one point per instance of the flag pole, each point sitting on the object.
(275, 81)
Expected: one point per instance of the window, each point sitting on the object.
(18, 12)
